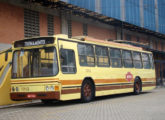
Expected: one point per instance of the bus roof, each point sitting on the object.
(87, 39)
(90, 40)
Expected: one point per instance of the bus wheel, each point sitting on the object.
(137, 87)
(87, 91)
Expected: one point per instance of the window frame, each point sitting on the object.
(86, 55)
(74, 61)
(137, 60)
(31, 71)
(102, 56)
(153, 63)
(146, 61)
(115, 58)
(127, 59)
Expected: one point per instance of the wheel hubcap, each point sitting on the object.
(137, 86)
(87, 90)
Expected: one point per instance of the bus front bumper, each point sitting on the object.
(35, 95)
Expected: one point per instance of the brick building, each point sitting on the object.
(26, 18)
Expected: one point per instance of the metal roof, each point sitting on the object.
(65, 5)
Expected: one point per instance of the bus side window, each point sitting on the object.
(102, 56)
(137, 60)
(67, 59)
(127, 59)
(151, 61)
(86, 55)
(146, 61)
(115, 57)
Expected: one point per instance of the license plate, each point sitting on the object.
(31, 95)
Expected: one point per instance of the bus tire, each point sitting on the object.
(87, 91)
(137, 86)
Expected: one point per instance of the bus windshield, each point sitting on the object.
(40, 62)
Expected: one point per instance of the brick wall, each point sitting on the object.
(43, 25)
(163, 45)
(154, 44)
(144, 40)
(133, 38)
(159, 45)
(57, 25)
(101, 33)
(77, 28)
(11, 23)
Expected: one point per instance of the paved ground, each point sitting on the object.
(147, 106)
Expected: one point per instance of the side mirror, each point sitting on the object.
(6, 56)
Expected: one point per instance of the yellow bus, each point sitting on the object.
(62, 68)
(5, 73)
(5, 77)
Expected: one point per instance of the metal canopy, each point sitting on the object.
(75, 10)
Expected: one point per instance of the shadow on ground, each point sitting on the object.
(74, 102)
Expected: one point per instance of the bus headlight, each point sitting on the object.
(50, 88)
(13, 89)
(47, 88)
(17, 89)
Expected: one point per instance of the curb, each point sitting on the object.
(20, 104)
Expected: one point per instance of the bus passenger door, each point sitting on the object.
(67, 53)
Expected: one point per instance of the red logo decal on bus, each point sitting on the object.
(129, 76)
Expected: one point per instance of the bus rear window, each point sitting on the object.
(40, 62)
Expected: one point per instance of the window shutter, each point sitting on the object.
(31, 23)
(50, 20)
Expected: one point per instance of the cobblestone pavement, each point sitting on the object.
(146, 106)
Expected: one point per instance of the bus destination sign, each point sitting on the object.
(34, 42)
